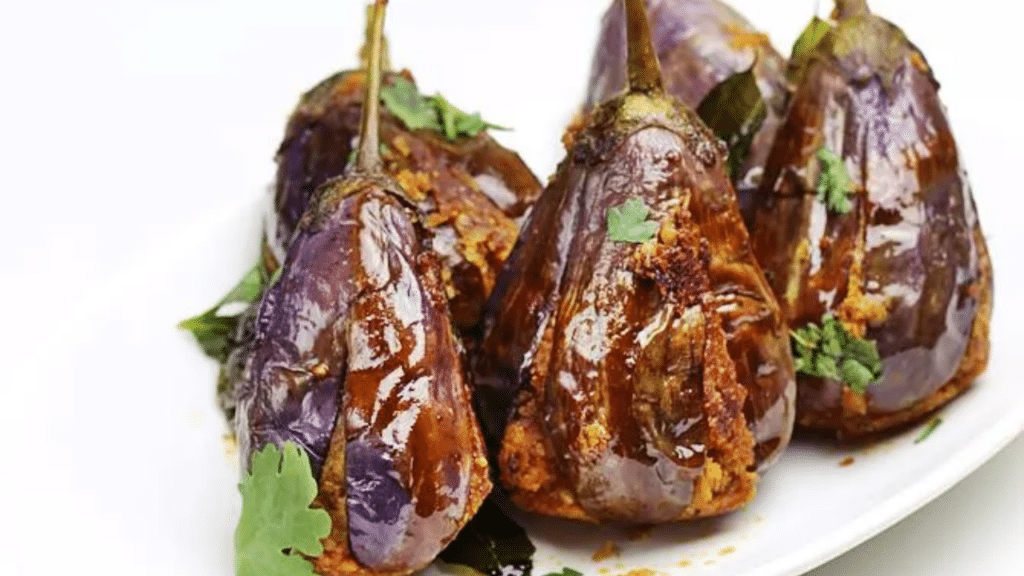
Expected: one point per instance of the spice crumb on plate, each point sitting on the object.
(606, 551)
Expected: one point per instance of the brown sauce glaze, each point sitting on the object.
(354, 341)
(907, 267)
(471, 193)
(647, 372)
(699, 43)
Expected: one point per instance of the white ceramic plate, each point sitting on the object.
(168, 114)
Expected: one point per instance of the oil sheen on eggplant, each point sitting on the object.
(700, 43)
(907, 267)
(471, 193)
(353, 357)
(635, 382)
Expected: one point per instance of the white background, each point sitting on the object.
(127, 128)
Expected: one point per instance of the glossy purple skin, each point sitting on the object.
(913, 226)
(355, 339)
(604, 345)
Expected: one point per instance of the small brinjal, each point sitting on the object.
(634, 365)
(865, 219)
(469, 190)
(354, 359)
(700, 44)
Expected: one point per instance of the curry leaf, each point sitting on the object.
(566, 571)
(734, 110)
(803, 48)
(212, 329)
(811, 36)
(492, 544)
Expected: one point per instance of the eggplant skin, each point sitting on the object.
(353, 357)
(471, 193)
(907, 267)
(699, 43)
(635, 382)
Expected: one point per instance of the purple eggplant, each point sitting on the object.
(353, 357)
(865, 222)
(700, 44)
(634, 365)
(469, 191)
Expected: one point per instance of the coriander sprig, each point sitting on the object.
(830, 351)
(628, 222)
(277, 524)
(431, 112)
(835, 186)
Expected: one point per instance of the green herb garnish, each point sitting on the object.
(830, 351)
(431, 112)
(810, 37)
(834, 182)
(629, 223)
(565, 572)
(277, 523)
(803, 48)
(734, 110)
(928, 429)
(213, 330)
(492, 544)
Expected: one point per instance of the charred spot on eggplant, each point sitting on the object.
(701, 44)
(641, 374)
(353, 358)
(865, 213)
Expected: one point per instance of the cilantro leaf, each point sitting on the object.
(492, 544)
(457, 123)
(830, 351)
(734, 110)
(834, 182)
(432, 113)
(212, 330)
(277, 522)
(628, 222)
(404, 101)
(928, 429)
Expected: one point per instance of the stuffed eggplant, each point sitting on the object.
(353, 358)
(867, 229)
(634, 365)
(700, 44)
(470, 192)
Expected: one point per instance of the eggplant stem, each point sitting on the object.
(364, 52)
(642, 62)
(849, 8)
(368, 154)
